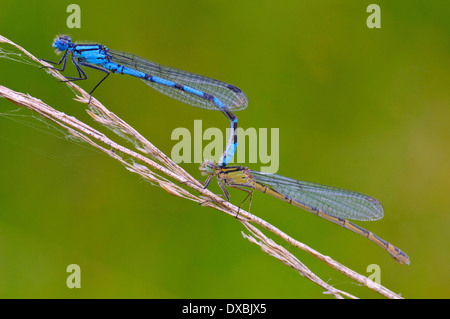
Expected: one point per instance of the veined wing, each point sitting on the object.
(232, 97)
(334, 201)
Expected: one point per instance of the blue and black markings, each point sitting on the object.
(190, 88)
(208, 97)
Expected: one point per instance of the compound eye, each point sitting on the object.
(62, 43)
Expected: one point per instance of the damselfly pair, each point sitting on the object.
(334, 204)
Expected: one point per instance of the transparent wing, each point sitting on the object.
(232, 97)
(334, 201)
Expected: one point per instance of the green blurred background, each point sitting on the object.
(364, 109)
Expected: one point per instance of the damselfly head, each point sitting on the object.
(62, 43)
(208, 167)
